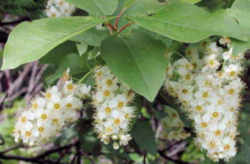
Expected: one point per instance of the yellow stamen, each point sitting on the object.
(44, 116)
(23, 119)
(106, 93)
(41, 129)
(215, 114)
(28, 133)
(117, 121)
(70, 86)
(198, 108)
(57, 106)
(203, 124)
(109, 82)
(205, 95)
(69, 105)
(120, 104)
(108, 110)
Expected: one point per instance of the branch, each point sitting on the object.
(163, 155)
(11, 148)
(39, 158)
(14, 22)
(59, 149)
(19, 81)
(26, 159)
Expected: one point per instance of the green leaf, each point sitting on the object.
(239, 46)
(144, 136)
(188, 23)
(242, 5)
(142, 7)
(82, 48)
(191, 1)
(241, 11)
(136, 157)
(63, 57)
(96, 7)
(138, 60)
(92, 37)
(31, 41)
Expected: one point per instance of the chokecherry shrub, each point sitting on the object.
(137, 68)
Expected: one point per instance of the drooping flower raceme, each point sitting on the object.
(208, 86)
(49, 113)
(113, 112)
(59, 8)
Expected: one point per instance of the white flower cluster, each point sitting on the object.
(113, 113)
(170, 128)
(59, 8)
(48, 114)
(208, 86)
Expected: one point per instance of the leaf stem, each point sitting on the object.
(85, 76)
(110, 28)
(124, 27)
(118, 18)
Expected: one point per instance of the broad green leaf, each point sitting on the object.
(144, 136)
(82, 48)
(241, 11)
(136, 157)
(242, 5)
(191, 1)
(63, 57)
(239, 46)
(138, 60)
(141, 7)
(96, 7)
(188, 23)
(30, 41)
(92, 37)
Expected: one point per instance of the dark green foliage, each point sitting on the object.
(28, 8)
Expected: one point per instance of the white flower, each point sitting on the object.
(232, 71)
(213, 48)
(212, 62)
(83, 90)
(113, 113)
(38, 103)
(49, 114)
(69, 88)
(228, 54)
(212, 98)
(124, 139)
(59, 8)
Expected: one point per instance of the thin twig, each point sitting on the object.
(110, 28)
(12, 148)
(163, 155)
(118, 18)
(56, 150)
(14, 22)
(19, 81)
(144, 158)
